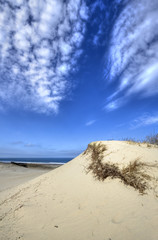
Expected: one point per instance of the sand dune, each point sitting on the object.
(68, 203)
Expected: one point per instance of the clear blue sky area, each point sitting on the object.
(73, 72)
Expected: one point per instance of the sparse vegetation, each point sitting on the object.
(130, 175)
(132, 141)
(96, 148)
(151, 140)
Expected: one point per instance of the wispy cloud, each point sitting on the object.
(17, 143)
(98, 23)
(24, 144)
(97, 4)
(30, 145)
(133, 56)
(89, 123)
(112, 105)
(97, 37)
(38, 45)
(144, 120)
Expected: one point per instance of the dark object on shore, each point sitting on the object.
(20, 164)
(36, 165)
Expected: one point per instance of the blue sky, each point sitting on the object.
(76, 71)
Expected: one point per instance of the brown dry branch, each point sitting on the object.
(130, 175)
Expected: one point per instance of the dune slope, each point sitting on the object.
(69, 203)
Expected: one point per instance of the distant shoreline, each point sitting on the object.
(14, 174)
(32, 165)
(36, 161)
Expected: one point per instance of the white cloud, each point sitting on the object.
(89, 123)
(63, 69)
(65, 48)
(145, 120)
(133, 53)
(113, 105)
(38, 40)
(77, 38)
(84, 11)
(96, 40)
(97, 4)
(64, 27)
(98, 35)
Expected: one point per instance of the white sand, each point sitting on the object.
(68, 204)
(13, 175)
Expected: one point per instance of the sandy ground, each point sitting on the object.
(12, 175)
(68, 203)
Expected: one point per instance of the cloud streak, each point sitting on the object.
(145, 120)
(89, 123)
(133, 55)
(39, 42)
(24, 144)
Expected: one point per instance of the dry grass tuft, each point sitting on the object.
(151, 140)
(130, 175)
(132, 141)
(133, 176)
(96, 148)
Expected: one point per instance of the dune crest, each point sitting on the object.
(70, 202)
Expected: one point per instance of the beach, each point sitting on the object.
(12, 175)
(71, 203)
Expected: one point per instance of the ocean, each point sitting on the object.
(36, 160)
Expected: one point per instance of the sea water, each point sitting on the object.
(36, 160)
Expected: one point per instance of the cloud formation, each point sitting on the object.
(90, 123)
(97, 4)
(24, 144)
(133, 55)
(40, 42)
(145, 120)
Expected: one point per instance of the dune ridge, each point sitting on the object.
(70, 203)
